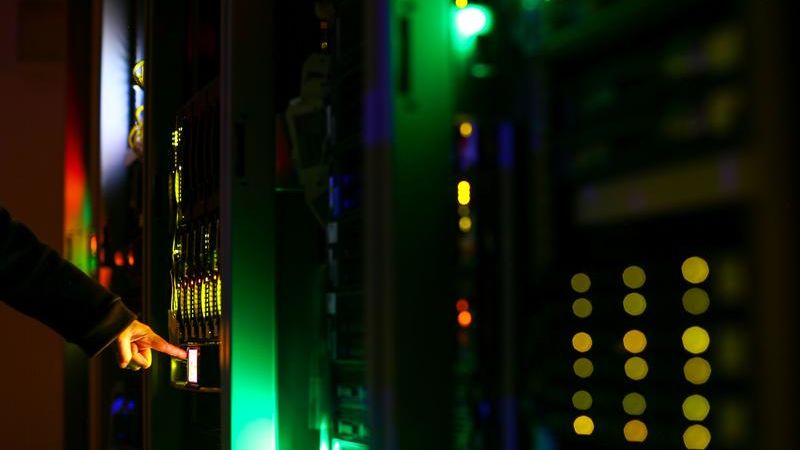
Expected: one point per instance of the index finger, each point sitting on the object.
(158, 343)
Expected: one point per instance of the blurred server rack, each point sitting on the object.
(654, 274)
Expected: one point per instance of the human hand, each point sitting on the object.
(135, 343)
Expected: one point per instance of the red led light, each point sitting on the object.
(462, 305)
(119, 258)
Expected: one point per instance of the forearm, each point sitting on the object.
(36, 281)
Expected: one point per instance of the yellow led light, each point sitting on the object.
(696, 408)
(634, 404)
(697, 370)
(635, 431)
(582, 308)
(695, 270)
(462, 3)
(634, 341)
(580, 282)
(583, 367)
(465, 129)
(465, 224)
(695, 340)
(695, 301)
(633, 277)
(582, 400)
(634, 304)
(582, 342)
(636, 368)
(463, 193)
(696, 437)
(583, 425)
(176, 138)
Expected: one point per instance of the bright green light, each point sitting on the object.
(473, 20)
(323, 434)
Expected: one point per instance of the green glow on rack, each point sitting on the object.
(323, 434)
(345, 445)
(251, 305)
(469, 23)
(473, 20)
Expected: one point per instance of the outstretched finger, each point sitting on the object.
(158, 344)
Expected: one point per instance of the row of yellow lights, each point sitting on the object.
(463, 188)
(636, 368)
(583, 367)
(695, 340)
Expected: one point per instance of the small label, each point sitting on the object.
(191, 373)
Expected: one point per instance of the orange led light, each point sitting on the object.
(93, 244)
(462, 304)
(131, 258)
(464, 319)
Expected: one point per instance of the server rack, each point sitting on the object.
(650, 143)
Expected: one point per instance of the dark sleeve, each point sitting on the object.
(37, 282)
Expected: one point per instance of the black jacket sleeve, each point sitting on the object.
(36, 281)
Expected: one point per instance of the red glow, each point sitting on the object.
(119, 258)
(462, 305)
(104, 276)
(464, 319)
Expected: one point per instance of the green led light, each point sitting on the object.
(473, 20)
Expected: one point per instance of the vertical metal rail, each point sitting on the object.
(409, 186)
(248, 356)
(775, 227)
(163, 41)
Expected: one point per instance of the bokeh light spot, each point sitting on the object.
(634, 404)
(696, 408)
(635, 431)
(696, 437)
(634, 341)
(697, 370)
(695, 301)
(583, 367)
(583, 425)
(580, 282)
(695, 340)
(636, 368)
(582, 400)
(634, 304)
(582, 308)
(582, 342)
(695, 270)
(633, 277)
